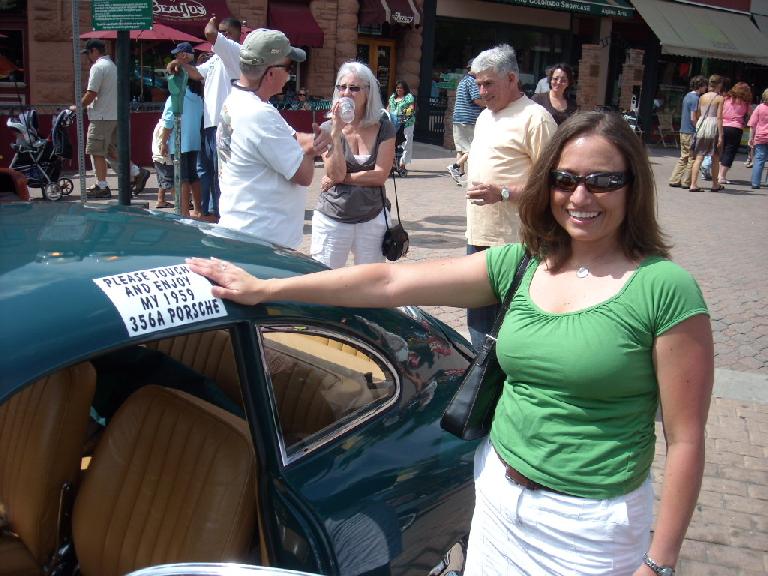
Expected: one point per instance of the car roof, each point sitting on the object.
(50, 254)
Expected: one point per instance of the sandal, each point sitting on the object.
(164, 205)
(717, 189)
(694, 189)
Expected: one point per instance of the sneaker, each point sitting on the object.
(455, 173)
(96, 192)
(140, 181)
(748, 163)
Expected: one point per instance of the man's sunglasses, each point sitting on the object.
(596, 182)
(350, 87)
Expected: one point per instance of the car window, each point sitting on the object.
(321, 382)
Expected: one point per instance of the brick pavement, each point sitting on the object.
(721, 238)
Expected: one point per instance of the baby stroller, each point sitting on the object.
(39, 159)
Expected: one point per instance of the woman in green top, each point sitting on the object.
(603, 331)
(402, 112)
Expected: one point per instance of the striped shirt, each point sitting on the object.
(465, 111)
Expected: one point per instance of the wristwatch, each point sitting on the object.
(504, 193)
(657, 569)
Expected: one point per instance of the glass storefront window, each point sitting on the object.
(536, 49)
(149, 81)
(12, 57)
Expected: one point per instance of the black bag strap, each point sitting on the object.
(384, 201)
(490, 338)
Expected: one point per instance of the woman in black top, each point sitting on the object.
(556, 100)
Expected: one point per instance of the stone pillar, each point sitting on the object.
(346, 32)
(49, 40)
(321, 67)
(409, 54)
(589, 77)
(606, 27)
(631, 78)
(254, 12)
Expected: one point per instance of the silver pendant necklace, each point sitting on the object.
(582, 272)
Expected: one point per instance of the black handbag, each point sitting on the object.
(395, 244)
(470, 413)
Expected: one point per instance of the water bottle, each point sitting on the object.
(346, 109)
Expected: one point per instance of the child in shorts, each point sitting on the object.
(163, 168)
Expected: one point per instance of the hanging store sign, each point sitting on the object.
(190, 16)
(617, 8)
(121, 14)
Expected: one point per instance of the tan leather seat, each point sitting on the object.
(209, 353)
(300, 395)
(172, 480)
(42, 431)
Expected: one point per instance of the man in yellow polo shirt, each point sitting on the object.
(509, 136)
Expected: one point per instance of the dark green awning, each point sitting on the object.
(618, 8)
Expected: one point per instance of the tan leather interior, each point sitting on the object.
(172, 480)
(316, 380)
(209, 353)
(329, 350)
(300, 395)
(42, 430)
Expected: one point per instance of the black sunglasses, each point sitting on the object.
(350, 87)
(596, 182)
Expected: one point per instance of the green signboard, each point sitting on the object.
(618, 8)
(121, 14)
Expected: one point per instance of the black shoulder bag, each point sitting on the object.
(395, 244)
(470, 412)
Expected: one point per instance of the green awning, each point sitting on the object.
(704, 32)
(617, 8)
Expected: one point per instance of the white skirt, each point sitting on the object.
(516, 531)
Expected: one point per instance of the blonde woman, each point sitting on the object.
(709, 133)
(350, 212)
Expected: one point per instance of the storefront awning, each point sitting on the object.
(762, 23)
(376, 12)
(703, 32)
(189, 16)
(296, 21)
(616, 8)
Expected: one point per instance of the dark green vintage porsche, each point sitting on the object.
(144, 421)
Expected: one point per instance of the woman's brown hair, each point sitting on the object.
(741, 91)
(639, 235)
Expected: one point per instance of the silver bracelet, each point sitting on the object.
(657, 568)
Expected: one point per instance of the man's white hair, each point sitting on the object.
(501, 59)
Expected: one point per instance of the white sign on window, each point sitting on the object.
(161, 298)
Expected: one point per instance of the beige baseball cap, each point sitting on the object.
(264, 47)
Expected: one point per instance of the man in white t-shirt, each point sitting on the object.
(217, 73)
(265, 165)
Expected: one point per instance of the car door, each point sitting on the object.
(364, 476)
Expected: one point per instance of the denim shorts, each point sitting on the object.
(164, 173)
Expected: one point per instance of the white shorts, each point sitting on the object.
(332, 240)
(462, 136)
(537, 532)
